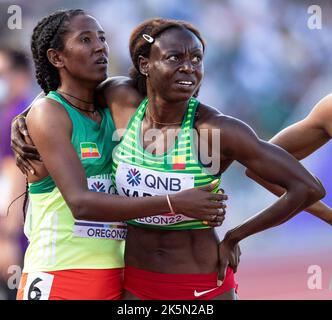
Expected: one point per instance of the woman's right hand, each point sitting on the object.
(22, 145)
(201, 204)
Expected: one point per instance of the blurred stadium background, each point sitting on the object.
(263, 65)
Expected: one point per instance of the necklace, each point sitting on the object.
(88, 102)
(162, 123)
(94, 111)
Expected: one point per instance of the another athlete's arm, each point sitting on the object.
(273, 164)
(50, 129)
(20, 141)
(302, 139)
(121, 97)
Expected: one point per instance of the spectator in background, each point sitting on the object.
(15, 89)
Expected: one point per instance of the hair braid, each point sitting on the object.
(26, 198)
(49, 33)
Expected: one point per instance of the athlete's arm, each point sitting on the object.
(302, 139)
(273, 164)
(318, 209)
(50, 129)
(121, 97)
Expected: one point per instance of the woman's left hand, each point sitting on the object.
(229, 255)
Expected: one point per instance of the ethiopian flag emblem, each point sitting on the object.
(179, 162)
(89, 150)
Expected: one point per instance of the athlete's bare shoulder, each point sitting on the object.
(119, 91)
(210, 118)
(46, 107)
(46, 112)
(205, 114)
(234, 136)
(111, 84)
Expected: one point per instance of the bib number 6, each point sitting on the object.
(34, 292)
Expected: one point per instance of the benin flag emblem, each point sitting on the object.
(179, 163)
(89, 150)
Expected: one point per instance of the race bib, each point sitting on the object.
(38, 286)
(133, 181)
(100, 230)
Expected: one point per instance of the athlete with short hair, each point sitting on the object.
(167, 260)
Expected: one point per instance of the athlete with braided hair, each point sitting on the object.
(75, 225)
(170, 256)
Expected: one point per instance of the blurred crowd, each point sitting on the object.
(261, 59)
(15, 91)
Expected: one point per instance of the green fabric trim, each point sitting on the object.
(180, 226)
(45, 185)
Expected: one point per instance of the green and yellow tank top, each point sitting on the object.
(138, 173)
(56, 240)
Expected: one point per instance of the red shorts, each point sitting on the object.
(78, 284)
(148, 285)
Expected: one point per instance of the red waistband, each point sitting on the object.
(148, 285)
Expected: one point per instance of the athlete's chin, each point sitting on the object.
(102, 75)
(180, 96)
(98, 77)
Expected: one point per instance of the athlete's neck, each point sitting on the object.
(165, 112)
(83, 95)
